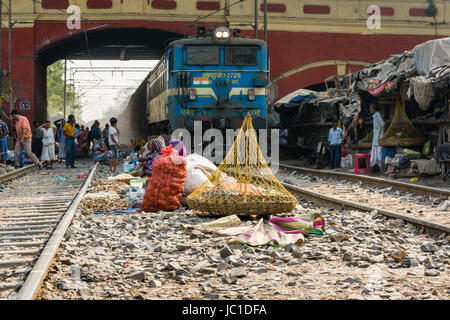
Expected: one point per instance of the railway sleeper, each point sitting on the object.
(24, 232)
(15, 262)
(27, 227)
(23, 244)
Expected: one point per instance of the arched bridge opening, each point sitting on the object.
(106, 44)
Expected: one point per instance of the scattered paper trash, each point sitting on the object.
(445, 206)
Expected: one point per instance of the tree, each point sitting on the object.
(55, 93)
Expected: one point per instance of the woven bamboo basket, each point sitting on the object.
(401, 142)
(361, 145)
(224, 205)
(243, 184)
(125, 180)
(366, 142)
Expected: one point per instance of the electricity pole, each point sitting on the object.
(65, 86)
(265, 20)
(1, 64)
(11, 105)
(256, 19)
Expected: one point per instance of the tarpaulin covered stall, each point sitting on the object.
(295, 107)
(422, 70)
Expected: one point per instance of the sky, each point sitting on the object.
(98, 82)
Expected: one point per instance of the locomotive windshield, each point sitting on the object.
(211, 80)
(205, 55)
(240, 56)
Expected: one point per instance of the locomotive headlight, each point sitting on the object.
(251, 94)
(192, 94)
(222, 33)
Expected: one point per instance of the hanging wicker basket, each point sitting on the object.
(401, 142)
(365, 143)
(401, 132)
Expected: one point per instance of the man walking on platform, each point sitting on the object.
(23, 139)
(335, 138)
(69, 134)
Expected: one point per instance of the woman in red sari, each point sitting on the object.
(83, 143)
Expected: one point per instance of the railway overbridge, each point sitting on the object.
(308, 40)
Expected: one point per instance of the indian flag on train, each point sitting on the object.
(202, 82)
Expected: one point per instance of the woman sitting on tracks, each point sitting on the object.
(149, 157)
(101, 153)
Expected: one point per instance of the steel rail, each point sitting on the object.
(431, 227)
(16, 173)
(403, 186)
(32, 284)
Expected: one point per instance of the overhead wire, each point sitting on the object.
(216, 11)
(84, 19)
(100, 79)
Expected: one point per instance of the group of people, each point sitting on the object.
(338, 139)
(81, 139)
(74, 140)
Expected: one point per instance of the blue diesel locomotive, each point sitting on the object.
(214, 78)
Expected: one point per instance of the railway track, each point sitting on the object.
(340, 195)
(398, 185)
(35, 212)
(4, 178)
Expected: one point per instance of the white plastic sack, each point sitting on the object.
(198, 169)
(197, 161)
(194, 179)
(346, 162)
(137, 195)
